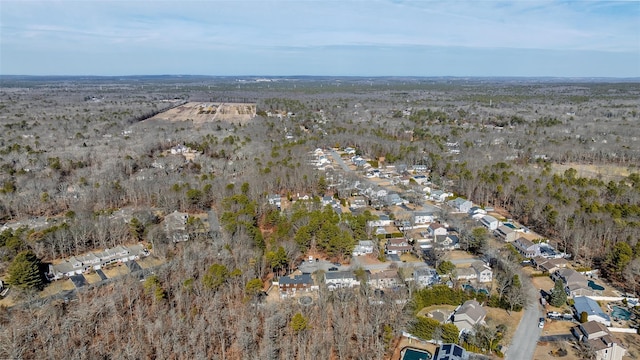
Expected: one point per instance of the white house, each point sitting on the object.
(76, 265)
(435, 229)
(425, 277)
(274, 199)
(483, 271)
(439, 195)
(469, 314)
(600, 340)
(340, 279)
(490, 222)
(384, 279)
(364, 247)
(461, 205)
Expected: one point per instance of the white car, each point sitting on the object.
(541, 323)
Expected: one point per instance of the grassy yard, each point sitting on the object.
(116, 270)
(424, 311)
(149, 261)
(56, 287)
(92, 277)
(409, 258)
(497, 316)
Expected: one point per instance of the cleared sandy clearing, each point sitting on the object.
(201, 112)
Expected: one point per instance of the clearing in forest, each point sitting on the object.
(201, 112)
(603, 172)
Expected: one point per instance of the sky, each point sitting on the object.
(529, 38)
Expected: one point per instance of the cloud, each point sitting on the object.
(237, 28)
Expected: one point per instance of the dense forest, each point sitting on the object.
(86, 166)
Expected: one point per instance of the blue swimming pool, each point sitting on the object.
(620, 313)
(416, 354)
(594, 286)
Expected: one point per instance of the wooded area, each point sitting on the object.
(85, 167)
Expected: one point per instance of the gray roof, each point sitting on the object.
(473, 310)
(335, 275)
(297, 279)
(590, 306)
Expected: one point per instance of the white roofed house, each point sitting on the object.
(340, 279)
(423, 217)
(384, 279)
(76, 265)
(490, 222)
(425, 277)
(364, 247)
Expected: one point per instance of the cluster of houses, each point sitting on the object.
(77, 265)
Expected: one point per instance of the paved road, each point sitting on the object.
(526, 337)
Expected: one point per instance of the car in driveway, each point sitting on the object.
(337, 264)
(333, 268)
(541, 323)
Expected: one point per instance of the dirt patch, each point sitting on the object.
(56, 287)
(198, 112)
(459, 257)
(557, 327)
(555, 350)
(603, 172)
(409, 258)
(92, 278)
(444, 308)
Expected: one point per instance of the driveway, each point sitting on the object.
(133, 266)
(101, 274)
(78, 281)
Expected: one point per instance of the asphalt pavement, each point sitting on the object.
(526, 337)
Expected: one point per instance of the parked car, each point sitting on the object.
(541, 323)
(333, 268)
(337, 264)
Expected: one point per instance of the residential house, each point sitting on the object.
(395, 199)
(76, 265)
(383, 220)
(420, 179)
(450, 352)
(467, 274)
(397, 246)
(425, 277)
(175, 225)
(438, 195)
(461, 205)
(427, 215)
(350, 151)
(469, 314)
(435, 229)
(275, 200)
(359, 202)
(605, 345)
(328, 200)
(384, 279)
(422, 217)
(447, 242)
(419, 168)
(527, 248)
(490, 222)
(575, 283)
(340, 279)
(292, 284)
(484, 272)
(364, 247)
(505, 233)
(477, 210)
(593, 310)
(549, 265)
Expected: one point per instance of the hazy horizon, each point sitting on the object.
(594, 39)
